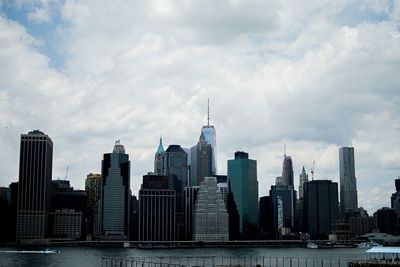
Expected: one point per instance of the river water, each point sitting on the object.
(94, 256)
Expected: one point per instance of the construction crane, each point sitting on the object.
(312, 170)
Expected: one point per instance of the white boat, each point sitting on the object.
(368, 245)
(312, 245)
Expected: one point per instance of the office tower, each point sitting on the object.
(210, 219)
(115, 194)
(34, 190)
(157, 158)
(386, 220)
(288, 197)
(201, 161)
(210, 135)
(287, 171)
(348, 183)
(223, 188)
(157, 213)
(242, 176)
(190, 194)
(134, 225)
(267, 219)
(93, 185)
(395, 198)
(174, 166)
(320, 207)
(303, 178)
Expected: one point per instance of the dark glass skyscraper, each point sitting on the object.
(320, 207)
(348, 183)
(157, 213)
(34, 189)
(115, 194)
(287, 171)
(201, 161)
(242, 177)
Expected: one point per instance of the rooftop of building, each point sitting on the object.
(175, 149)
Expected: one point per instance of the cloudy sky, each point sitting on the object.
(314, 75)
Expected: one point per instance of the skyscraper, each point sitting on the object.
(157, 213)
(190, 200)
(303, 178)
(242, 179)
(287, 170)
(210, 135)
(157, 159)
(348, 183)
(395, 198)
(93, 185)
(175, 167)
(288, 198)
(201, 161)
(34, 190)
(115, 194)
(320, 207)
(210, 219)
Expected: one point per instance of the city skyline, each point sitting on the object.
(316, 78)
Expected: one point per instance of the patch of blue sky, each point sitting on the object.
(355, 14)
(45, 32)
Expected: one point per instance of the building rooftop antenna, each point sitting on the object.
(208, 111)
(284, 150)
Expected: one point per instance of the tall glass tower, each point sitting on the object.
(211, 138)
(242, 179)
(116, 193)
(348, 183)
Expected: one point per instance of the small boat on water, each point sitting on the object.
(312, 245)
(368, 245)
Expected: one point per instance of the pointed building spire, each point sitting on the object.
(160, 148)
(208, 112)
(284, 150)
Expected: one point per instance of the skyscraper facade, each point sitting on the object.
(395, 198)
(201, 161)
(34, 187)
(157, 209)
(348, 183)
(210, 219)
(115, 194)
(287, 171)
(174, 165)
(211, 137)
(190, 193)
(303, 178)
(320, 207)
(288, 198)
(93, 185)
(242, 181)
(158, 159)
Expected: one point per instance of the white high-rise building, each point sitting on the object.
(348, 183)
(211, 138)
(210, 219)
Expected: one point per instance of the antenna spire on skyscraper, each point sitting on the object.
(284, 150)
(208, 111)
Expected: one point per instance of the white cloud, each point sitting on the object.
(275, 72)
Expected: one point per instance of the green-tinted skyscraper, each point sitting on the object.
(242, 178)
